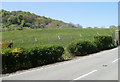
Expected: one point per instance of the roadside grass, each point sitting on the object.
(61, 36)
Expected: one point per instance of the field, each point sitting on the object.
(23, 58)
(28, 38)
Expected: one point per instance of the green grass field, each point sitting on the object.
(27, 38)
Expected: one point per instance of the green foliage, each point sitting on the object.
(10, 29)
(20, 17)
(19, 28)
(85, 47)
(12, 20)
(30, 20)
(22, 23)
(28, 24)
(82, 47)
(7, 60)
(21, 58)
(104, 41)
(31, 55)
(10, 60)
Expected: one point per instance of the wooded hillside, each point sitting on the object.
(21, 19)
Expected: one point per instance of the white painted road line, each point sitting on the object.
(85, 75)
(115, 60)
(0, 79)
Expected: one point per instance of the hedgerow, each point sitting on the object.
(82, 47)
(104, 41)
(22, 58)
(85, 47)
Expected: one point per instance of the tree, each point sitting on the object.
(71, 25)
(28, 24)
(95, 27)
(112, 26)
(20, 18)
(5, 13)
(89, 27)
(79, 26)
(22, 23)
(13, 20)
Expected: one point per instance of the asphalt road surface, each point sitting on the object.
(98, 66)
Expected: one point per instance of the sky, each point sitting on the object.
(87, 14)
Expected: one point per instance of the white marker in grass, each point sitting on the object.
(35, 39)
(59, 37)
(22, 41)
(11, 41)
(80, 35)
(97, 33)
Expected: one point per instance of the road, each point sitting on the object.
(98, 66)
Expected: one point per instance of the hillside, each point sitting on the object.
(21, 19)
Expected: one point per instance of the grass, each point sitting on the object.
(63, 36)
(28, 38)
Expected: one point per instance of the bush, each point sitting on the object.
(12, 59)
(18, 28)
(82, 47)
(19, 58)
(45, 54)
(8, 60)
(104, 41)
(10, 29)
(6, 45)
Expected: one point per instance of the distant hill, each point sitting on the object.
(21, 19)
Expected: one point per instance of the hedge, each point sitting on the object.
(104, 41)
(85, 47)
(23, 58)
(82, 47)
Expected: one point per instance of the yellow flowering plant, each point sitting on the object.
(2, 53)
(17, 50)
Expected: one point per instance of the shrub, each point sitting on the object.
(8, 60)
(12, 59)
(6, 45)
(82, 47)
(22, 58)
(45, 54)
(18, 28)
(10, 29)
(103, 41)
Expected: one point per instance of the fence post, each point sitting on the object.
(117, 37)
